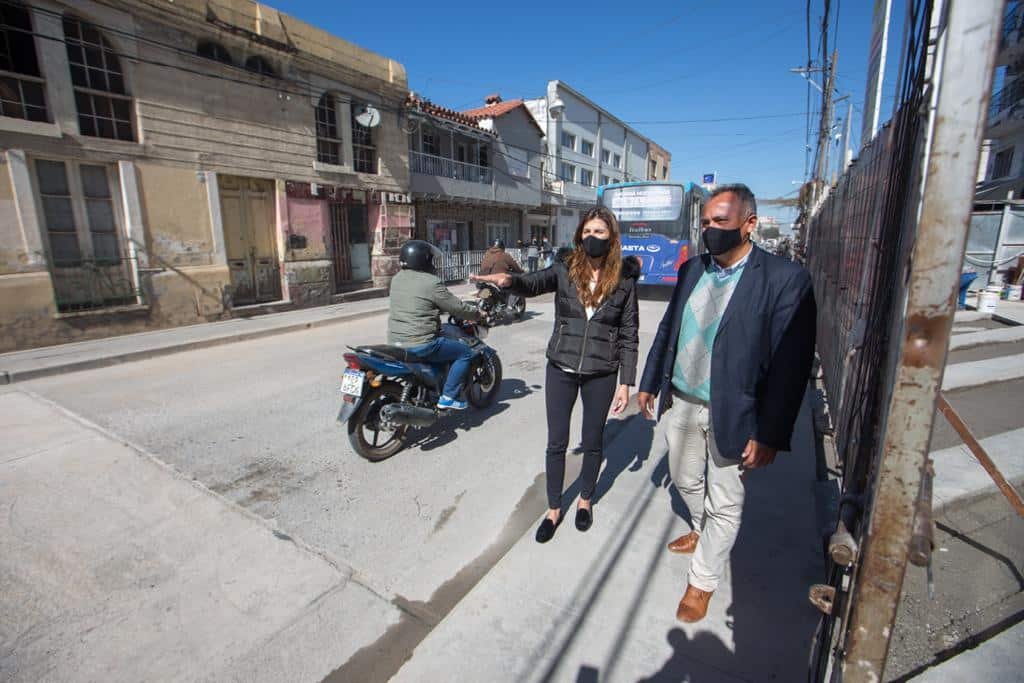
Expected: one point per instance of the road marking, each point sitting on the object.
(979, 372)
(1003, 336)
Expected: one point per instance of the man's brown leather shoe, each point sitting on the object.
(694, 605)
(685, 544)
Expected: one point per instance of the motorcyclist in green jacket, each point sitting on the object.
(418, 297)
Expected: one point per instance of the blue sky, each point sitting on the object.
(643, 62)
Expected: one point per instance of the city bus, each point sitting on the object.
(660, 224)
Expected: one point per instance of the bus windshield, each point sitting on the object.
(654, 220)
(644, 210)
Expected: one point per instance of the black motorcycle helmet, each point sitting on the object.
(498, 244)
(419, 255)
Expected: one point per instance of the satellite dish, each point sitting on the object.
(368, 117)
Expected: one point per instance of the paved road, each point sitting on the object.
(254, 422)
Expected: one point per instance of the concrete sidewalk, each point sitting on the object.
(959, 476)
(601, 605)
(19, 366)
(115, 567)
(997, 660)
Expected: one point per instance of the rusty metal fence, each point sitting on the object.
(884, 248)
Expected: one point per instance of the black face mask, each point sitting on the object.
(719, 241)
(595, 247)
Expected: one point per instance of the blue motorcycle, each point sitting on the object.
(386, 391)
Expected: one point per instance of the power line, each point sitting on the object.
(305, 88)
(309, 92)
(807, 134)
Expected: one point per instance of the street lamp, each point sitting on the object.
(556, 107)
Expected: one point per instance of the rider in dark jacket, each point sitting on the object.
(497, 261)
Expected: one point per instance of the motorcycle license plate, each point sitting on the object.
(352, 382)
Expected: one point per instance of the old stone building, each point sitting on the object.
(659, 162)
(170, 163)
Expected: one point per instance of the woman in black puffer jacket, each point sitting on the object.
(595, 339)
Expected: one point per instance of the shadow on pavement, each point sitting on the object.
(630, 455)
(446, 430)
(775, 559)
(682, 665)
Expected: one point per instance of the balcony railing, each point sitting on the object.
(428, 164)
(1011, 22)
(1006, 98)
(554, 185)
(456, 266)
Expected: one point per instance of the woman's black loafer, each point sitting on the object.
(583, 519)
(546, 530)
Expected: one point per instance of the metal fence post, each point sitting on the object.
(969, 43)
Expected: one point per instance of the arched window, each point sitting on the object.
(364, 152)
(328, 137)
(259, 65)
(21, 88)
(215, 51)
(104, 107)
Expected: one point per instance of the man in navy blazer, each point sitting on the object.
(730, 362)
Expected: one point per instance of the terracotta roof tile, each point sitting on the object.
(428, 107)
(492, 110)
(500, 109)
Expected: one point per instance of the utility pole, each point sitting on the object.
(847, 154)
(825, 127)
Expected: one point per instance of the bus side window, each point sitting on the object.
(695, 210)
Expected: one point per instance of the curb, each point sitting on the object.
(13, 376)
(966, 498)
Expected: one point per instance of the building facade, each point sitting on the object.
(1001, 169)
(172, 163)
(659, 162)
(584, 146)
(995, 242)
(473, 174)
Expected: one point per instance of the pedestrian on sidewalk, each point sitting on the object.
(532, 254)
(595, 338)
(730, 361)
(546, 252)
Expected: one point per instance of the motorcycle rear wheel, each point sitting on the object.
(485, 383)
(366, 421)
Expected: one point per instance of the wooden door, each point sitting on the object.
(247, 215)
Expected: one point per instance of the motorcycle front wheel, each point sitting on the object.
(485, 382)
(367, 435)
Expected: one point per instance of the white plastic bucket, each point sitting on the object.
(988, 298)
(1012, 292)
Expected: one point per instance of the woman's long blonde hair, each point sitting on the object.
(580, 271)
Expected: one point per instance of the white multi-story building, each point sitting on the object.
(584, 146)
(995, 242)
(1001, 171)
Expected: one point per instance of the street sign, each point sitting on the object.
(709, 179)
